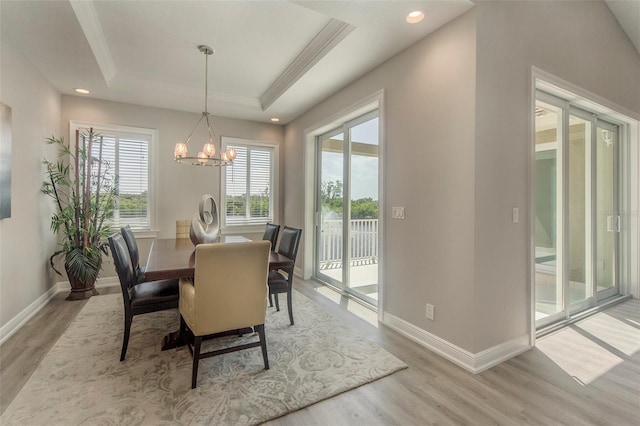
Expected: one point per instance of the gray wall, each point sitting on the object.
(429, 92)
(25, 239)
(580, 42)
(456, 156)
(457, 144)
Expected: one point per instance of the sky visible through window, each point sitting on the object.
(364, 169)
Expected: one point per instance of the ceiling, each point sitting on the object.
(627, 14)
(272, 58)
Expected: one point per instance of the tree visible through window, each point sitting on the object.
(128, 155)
(249, 185)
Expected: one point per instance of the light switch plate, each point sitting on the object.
(397, 212)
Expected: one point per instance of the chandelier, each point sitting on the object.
(206, 157)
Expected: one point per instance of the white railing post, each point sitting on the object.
(364, 240)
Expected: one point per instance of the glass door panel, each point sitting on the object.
(549, 290)
(579, 199)
(607, 219)
(363, 198)
(330, 238)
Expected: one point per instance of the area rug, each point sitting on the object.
(81, 380)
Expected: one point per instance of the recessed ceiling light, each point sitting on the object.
(83, 91)
(415, 17)
(275, 120)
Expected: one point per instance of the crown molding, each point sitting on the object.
(90, 24)
(329, 37)
(172, 91)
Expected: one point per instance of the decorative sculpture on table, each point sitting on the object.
(204, 224)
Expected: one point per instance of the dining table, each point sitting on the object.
(176, 257)
(171, 258)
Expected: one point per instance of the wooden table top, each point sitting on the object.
(175, 258)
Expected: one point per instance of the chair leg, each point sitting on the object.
(275, 296)
(182, 331)
(196, 360)
(263, 344)
(128, 318)
(290, 304)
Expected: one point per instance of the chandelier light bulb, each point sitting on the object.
(202, 157)
(209, 149)
(231, 154)
(180, 150)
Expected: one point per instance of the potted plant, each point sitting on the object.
(83, 185)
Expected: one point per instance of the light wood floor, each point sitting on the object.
(588, 373)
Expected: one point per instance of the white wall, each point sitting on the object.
(25, 239)
(179, 186)
(429, 92)
(580, 42)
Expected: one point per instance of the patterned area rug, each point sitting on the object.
(81, 381)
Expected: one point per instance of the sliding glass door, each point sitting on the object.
(347, 208)
(576, 214)
(549, 286)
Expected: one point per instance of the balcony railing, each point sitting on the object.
(363, 242)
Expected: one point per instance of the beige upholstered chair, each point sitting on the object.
(229, 292)
(182, 228)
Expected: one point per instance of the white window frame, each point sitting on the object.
(275, 197)
(152, 134)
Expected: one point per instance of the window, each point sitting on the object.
(249, 192)
(128, 150)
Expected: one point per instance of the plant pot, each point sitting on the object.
(80, 289)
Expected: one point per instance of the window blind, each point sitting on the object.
(128, 159)
(249, 186)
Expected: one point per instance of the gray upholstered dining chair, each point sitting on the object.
(139, 298)
(271, 232)
(228, 292)
(279, 283)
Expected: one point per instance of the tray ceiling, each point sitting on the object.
(272, 58)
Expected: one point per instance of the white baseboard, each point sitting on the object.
(475, 363)
(15, 323)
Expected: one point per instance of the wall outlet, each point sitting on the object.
(430, 312)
